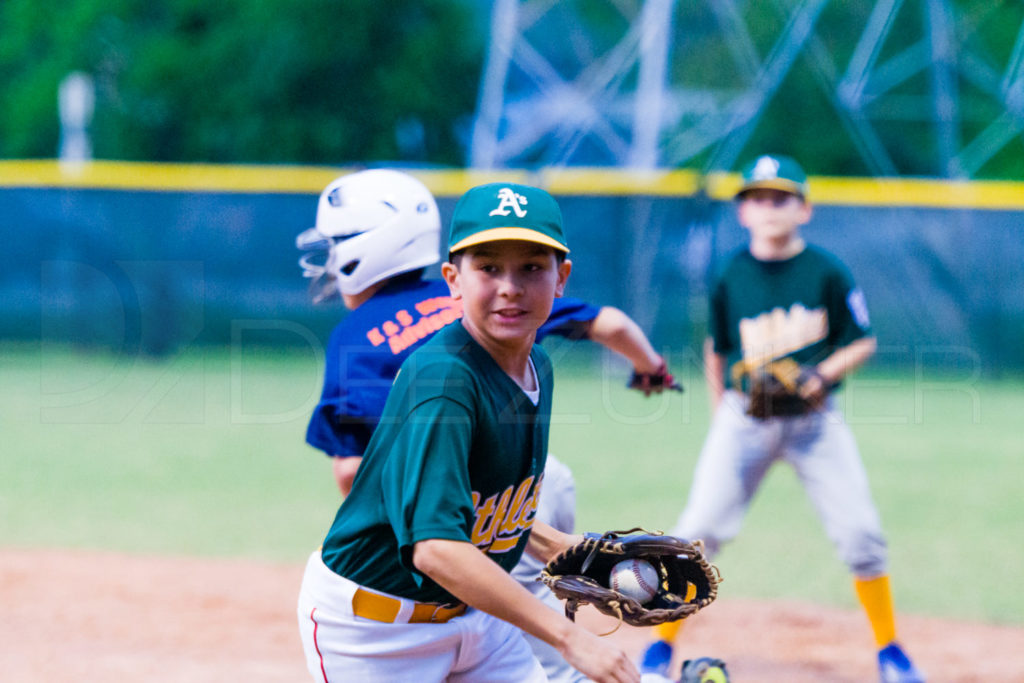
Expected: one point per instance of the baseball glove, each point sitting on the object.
(580, 575)
(781, 388)
(654, 382)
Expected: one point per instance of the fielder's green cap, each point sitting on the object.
(774, 173)
(506, 211)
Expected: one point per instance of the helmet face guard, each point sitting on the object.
(370, 226)
(322, 285)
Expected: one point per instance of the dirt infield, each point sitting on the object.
(91, 616)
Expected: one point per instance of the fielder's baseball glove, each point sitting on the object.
(654, 382)
(580, 575)
(781, 388)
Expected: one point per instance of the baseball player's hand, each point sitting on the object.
(813, 388)
(654, 382)
(597, 659)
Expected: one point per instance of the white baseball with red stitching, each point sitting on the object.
(635, 578)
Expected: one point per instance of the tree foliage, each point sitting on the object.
(351, 81)
(305, 81)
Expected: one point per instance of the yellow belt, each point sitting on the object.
(383, 608)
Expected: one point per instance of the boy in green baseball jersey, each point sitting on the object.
(781, 298)
(412, 579)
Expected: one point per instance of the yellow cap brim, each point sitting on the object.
(496, 234)
(775, 184)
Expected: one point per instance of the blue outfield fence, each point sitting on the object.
(145, 258)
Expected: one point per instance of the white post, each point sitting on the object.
(76, 98)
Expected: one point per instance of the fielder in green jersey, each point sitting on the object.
(781, 299)
(803, 307)
(412, 580)
(458, 455)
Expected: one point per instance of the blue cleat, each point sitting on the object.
(895, 667)
(656, 658)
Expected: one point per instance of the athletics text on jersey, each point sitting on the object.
(803, 307)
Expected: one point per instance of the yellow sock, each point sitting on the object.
(876, 598)
(667, 632)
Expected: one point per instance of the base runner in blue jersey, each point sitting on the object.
(351, 251)
(412, 580)
(395, 310)
(785, 302)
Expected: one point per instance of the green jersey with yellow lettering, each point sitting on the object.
(803, 307)
(458, 455)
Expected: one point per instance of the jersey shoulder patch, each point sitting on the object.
(858, 306)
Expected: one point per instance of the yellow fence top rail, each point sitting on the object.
(563, 181)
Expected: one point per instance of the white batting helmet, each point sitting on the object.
(370, 225)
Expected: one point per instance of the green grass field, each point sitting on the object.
(204, 455)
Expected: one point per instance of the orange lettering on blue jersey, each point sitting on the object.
(408, 337)
(434, 322)
(434, 304)
(375, 337)
(421, 329)
(412, 330)
(426, 307)
(451, 314)
(397, 345)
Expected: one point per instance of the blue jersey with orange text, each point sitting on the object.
(368, 346)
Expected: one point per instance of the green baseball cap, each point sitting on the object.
(506, 211)
(774, 173)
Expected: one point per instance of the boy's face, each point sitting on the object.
(506, 287)
(772, 214)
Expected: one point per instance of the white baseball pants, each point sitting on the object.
(340, 646)
(736, 456)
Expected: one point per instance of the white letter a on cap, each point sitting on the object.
(509, 200)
